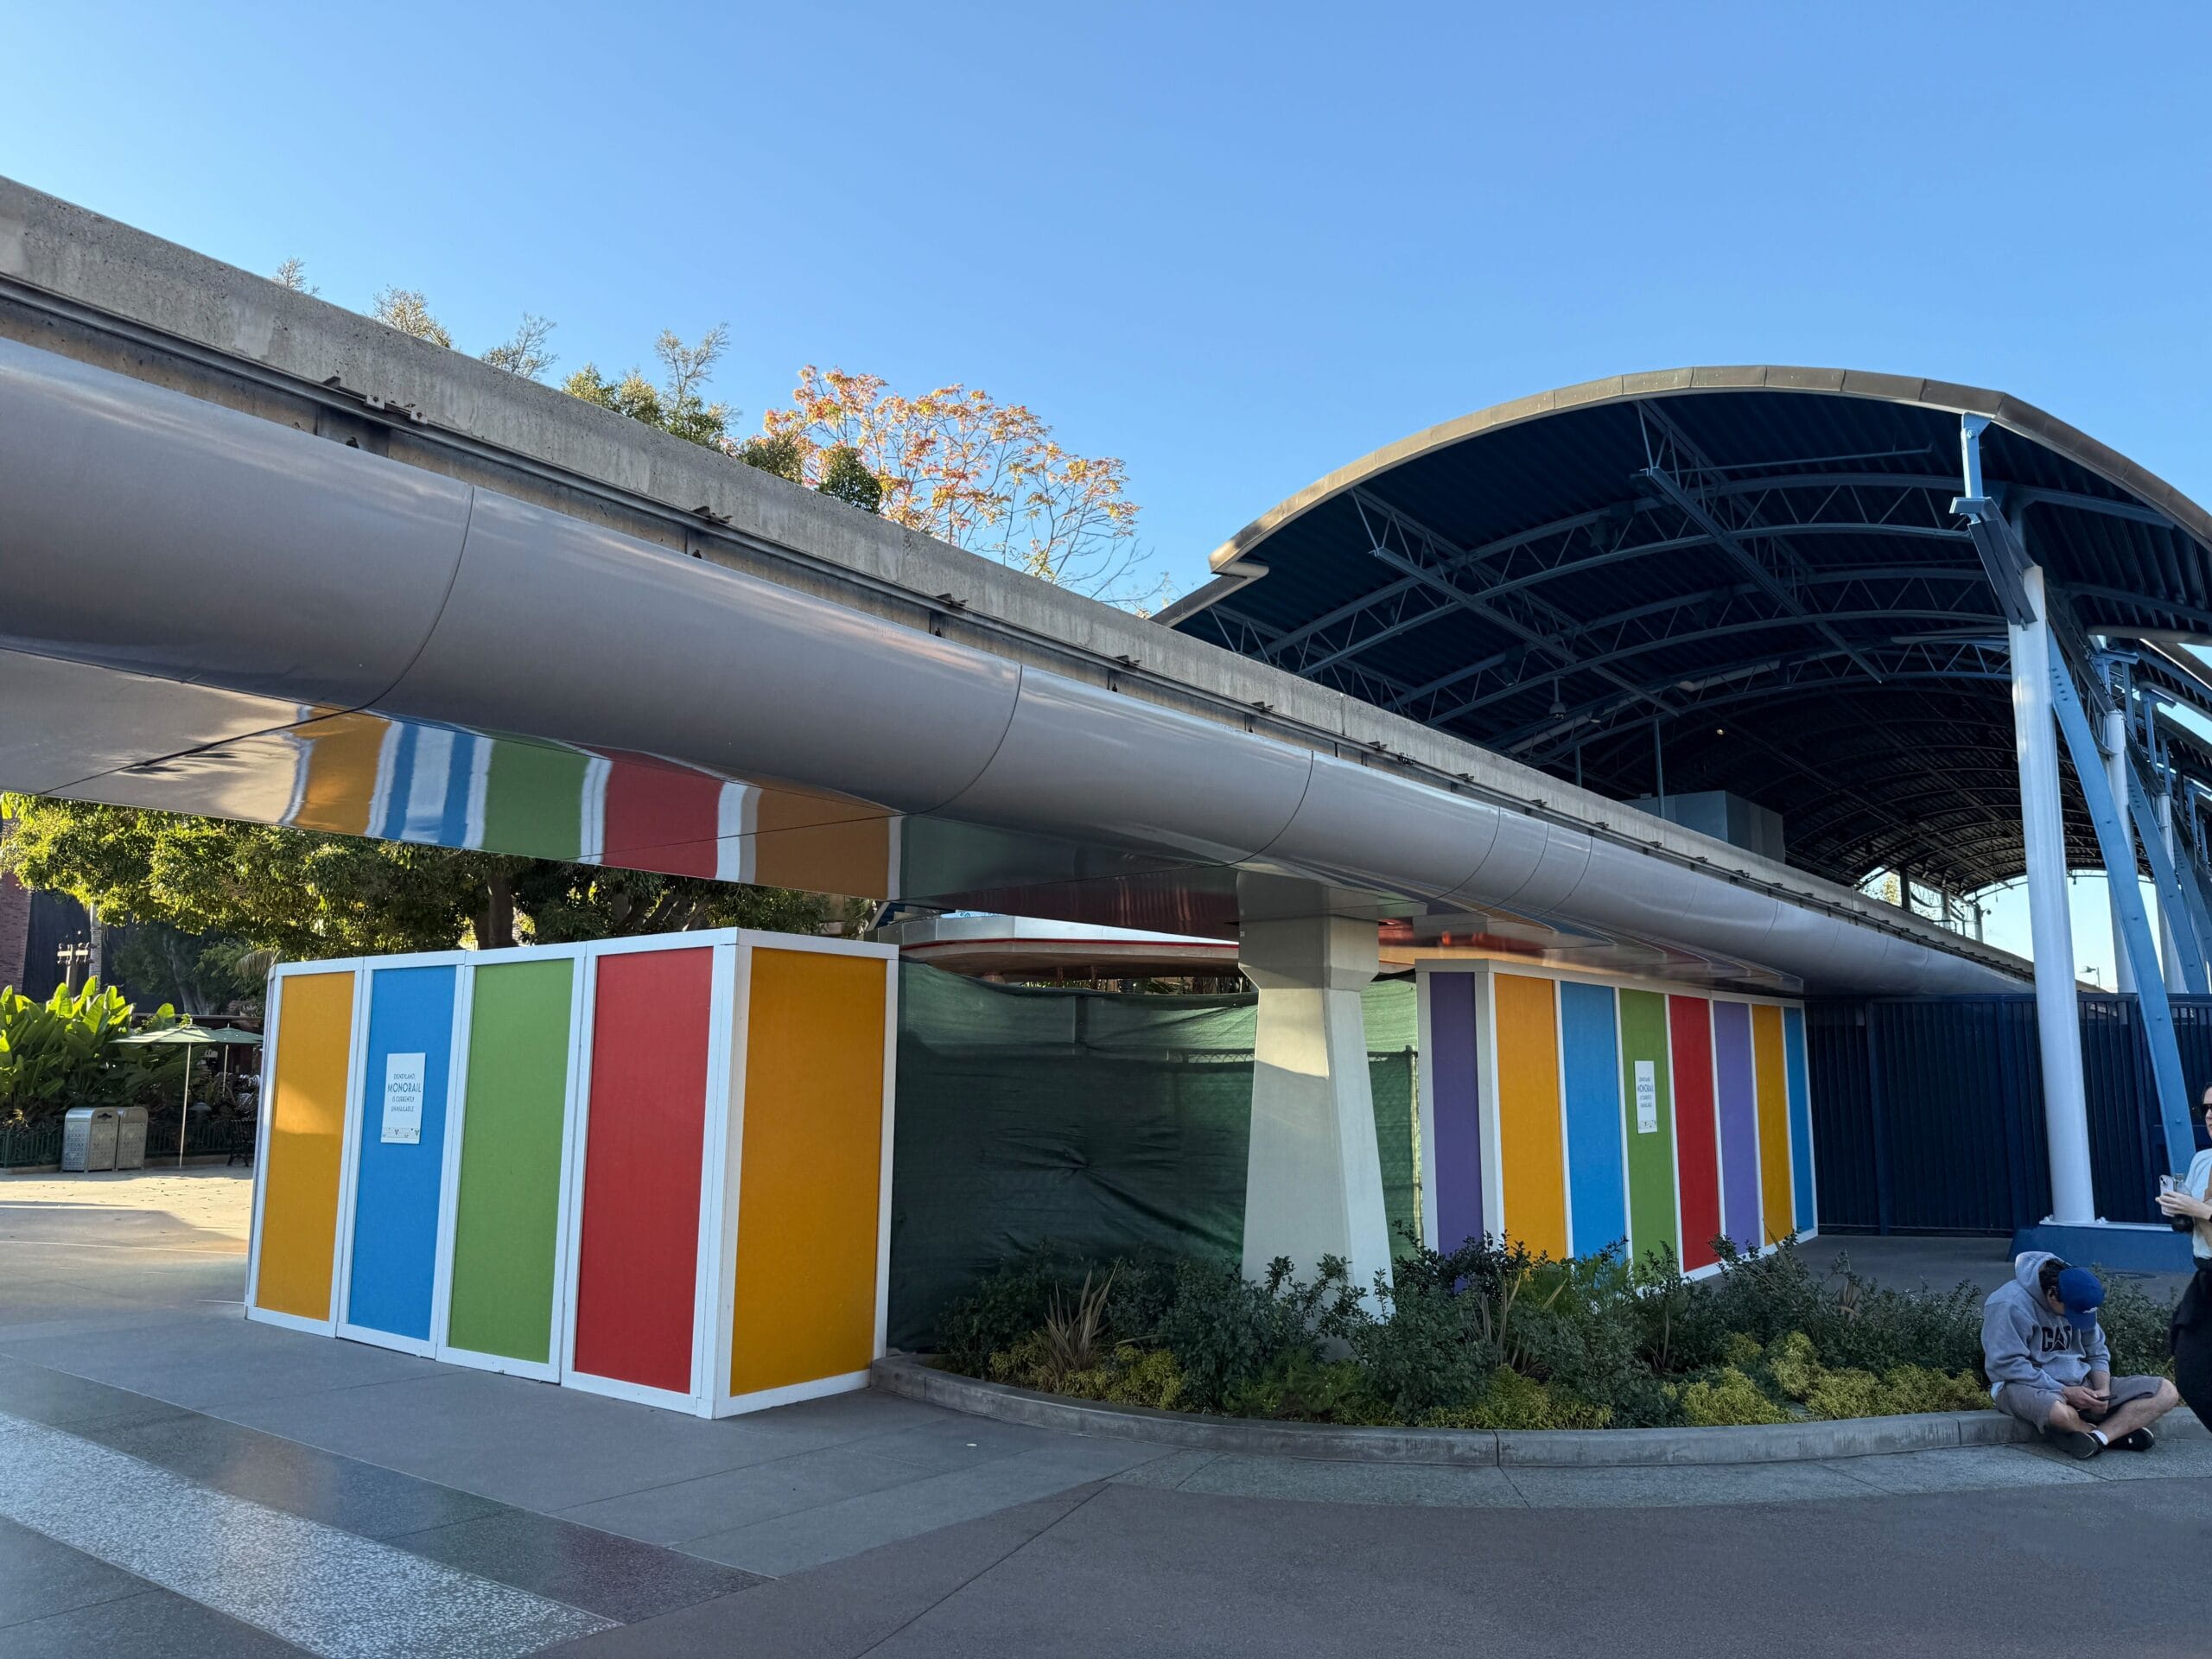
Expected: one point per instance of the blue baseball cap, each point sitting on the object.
(2080, 1294)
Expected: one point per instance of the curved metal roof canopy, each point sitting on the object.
(1757, 567)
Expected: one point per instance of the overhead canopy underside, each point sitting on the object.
(1750, 577)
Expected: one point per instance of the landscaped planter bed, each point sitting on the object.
(916, 1378)
(1488, 1354)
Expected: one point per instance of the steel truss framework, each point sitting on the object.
(1816, 632)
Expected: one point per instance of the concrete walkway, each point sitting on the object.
(158, 1453)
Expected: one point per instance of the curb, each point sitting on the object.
(1564, 1448)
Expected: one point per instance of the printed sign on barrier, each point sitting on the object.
(402, 1098)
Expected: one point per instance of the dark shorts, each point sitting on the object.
(2032, 1405)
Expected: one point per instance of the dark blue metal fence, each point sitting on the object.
(1928, 1111)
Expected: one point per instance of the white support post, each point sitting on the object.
(1313, 1184)
(2115, 747)
(2169, 951)
(2066, 1113)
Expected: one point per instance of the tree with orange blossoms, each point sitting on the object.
(957, 464)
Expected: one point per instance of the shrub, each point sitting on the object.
(60, 1053)
(1002, 1309)
(1299, 1388)
(2135, 1329)
(1509, 1400)
(1724, 1396)
(1226, 1332)
(1489, 1335)
(1132, 1376)
(1853, 1391)
(1129, 1375)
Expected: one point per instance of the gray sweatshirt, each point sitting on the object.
(2022, 1341)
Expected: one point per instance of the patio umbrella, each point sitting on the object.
(191, 1037)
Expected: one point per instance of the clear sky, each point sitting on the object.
(1235, 245)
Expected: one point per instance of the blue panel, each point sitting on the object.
(396, 1189)
(1591, 1071)
(1800, 1118)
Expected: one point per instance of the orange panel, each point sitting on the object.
(307, 1122)
(821, 844)
(343, 754)
(1774, 1121)
(1532, 1169)
(803, 1305)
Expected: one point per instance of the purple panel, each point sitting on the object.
(1739, 1125)
(1455, 1098)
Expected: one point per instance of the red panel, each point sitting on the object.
(660, 817)
(638, 1258)
(1689, 1023)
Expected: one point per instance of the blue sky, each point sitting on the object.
(1237, 246)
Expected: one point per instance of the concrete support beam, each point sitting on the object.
(1313, 1187)
(2066, 1112)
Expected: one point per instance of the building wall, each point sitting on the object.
(1575, 1113)
(14, 930)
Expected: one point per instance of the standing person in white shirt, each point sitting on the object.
(2190, 1333)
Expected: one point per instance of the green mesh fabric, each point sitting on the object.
(1094, 1122)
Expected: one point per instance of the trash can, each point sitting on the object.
(131, 1138)
(88, 1137)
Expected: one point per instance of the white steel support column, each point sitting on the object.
(2066, 1113)
(2115, 747)
(1313, 1185)
(2169, 951)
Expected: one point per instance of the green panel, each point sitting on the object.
(534, 800)
(1388, 1009)
(508, 1209)
(1650, 1154)
(1091, 1123)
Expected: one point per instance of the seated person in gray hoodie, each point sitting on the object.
(2049, 1366)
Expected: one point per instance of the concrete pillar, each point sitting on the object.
(1313, 1185)
(2115, 747)
(2058, 1020)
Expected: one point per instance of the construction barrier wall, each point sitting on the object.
(1928, 1111)
(1573, 1112)
(1096, 1123)
(656, 1168)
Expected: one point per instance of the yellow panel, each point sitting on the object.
(1532, 1167)
(343, 754)
(299, 1167)
(803, 1302)
(1774, 1121)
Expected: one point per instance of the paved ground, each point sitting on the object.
(176, 1481)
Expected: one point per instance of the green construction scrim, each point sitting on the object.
(1094, 1122)
(507, 1213)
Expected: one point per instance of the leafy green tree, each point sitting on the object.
(781, 454)
(846, 476)
(678, 405)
